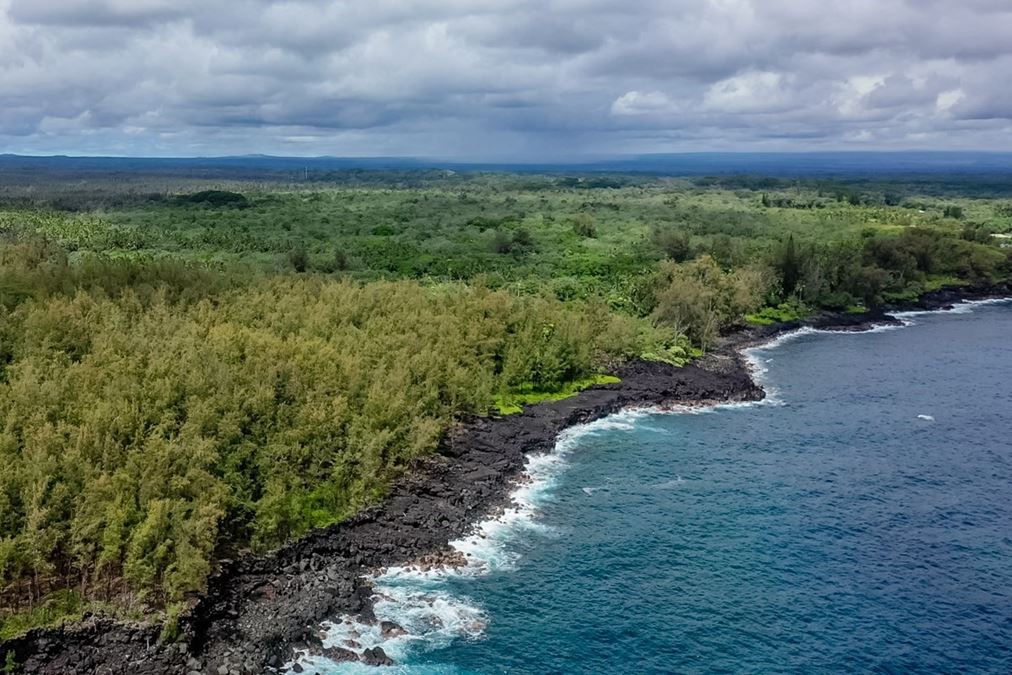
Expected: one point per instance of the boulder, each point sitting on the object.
(389, 629)
(339, 654)
(376, 657)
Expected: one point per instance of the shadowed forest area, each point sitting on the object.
(190, 369)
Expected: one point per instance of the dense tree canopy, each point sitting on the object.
(186, 375)
(145, 426)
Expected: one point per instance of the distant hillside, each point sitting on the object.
(263, 167)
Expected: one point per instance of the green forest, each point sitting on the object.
(188, 372)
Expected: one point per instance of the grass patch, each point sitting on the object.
(855, 309)
(508, 404)
(783, 313)
(59, 606)
(916, 289)
(933, 283)
(906, 295)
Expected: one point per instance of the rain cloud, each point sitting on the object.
(502, 79)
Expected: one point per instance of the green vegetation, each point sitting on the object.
(787, 312)
(215, 199)
(60, 605)
(151, 419)
(508, 404)
(184, 376)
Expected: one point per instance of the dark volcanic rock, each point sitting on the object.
(257, 609)
(945, 298)
(376, 657)
(389, 629)
(338, 654)
(95, 644)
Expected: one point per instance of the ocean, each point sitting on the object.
(858, 520)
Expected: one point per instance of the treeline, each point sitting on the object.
(154, 416)
(697, 295)
(882, 267)
(216, 371)
(980, 185)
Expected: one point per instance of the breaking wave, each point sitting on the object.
(965, 307)
(426, 613)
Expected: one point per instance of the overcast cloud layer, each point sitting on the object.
(502, 79)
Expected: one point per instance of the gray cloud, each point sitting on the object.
(74, 13)
(501, 78)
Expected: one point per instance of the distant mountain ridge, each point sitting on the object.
(687, 164)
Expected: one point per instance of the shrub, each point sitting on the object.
(700, 299)
(215, 199)
(583, 225)
(298, 258)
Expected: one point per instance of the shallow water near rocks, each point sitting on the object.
(859, 521)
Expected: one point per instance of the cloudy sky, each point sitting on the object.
(502, 79)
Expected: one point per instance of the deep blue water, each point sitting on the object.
(834, 532)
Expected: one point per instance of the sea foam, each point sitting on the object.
(754, 356)
(421, 602)
(432, 614)
(965, 307)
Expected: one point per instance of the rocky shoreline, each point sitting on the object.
(258, 610)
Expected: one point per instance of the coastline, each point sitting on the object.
(259, 610)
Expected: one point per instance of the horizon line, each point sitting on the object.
(500, 160)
